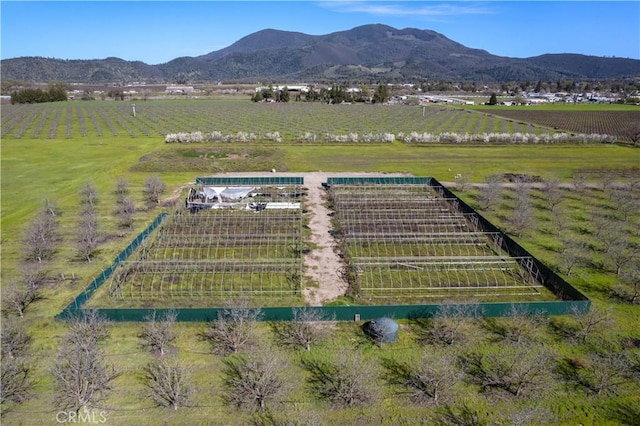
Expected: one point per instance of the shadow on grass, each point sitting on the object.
(625, 412)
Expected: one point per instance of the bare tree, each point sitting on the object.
(51, 207)
(125, 211)
(552, 192)
(514, 369)
(517, 326)
(628, 286)
(306, 328)
(346, 381)
(19, 294)
(579, 183)
(81, 377)
(157, 333)
(168, 383)
(632, 132)
(522, 217)
(612, 233)
(582, 326)
(600, 224)
(252, 381)
(601, 373)
(15, 339)
(559, 221)
(33, 275)
(15, 374)
(122, 188)
(622, 252)
(87, 239)
(448, 324)
(88, 194)
(625, 202)
(153, 188)
(490, 192)
(87, 329)
(572, 253)
(40, 237)
(233, 330)
(17, 297)
(427, 381)
(15, 381)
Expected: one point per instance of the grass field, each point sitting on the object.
(35, 168)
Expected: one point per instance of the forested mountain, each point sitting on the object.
(369, 52)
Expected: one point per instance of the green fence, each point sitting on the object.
(359, 313)
(380, 180)
(571, 300)
(82, 298)
(562, 289)
(250, 181)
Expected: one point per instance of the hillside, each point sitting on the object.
(369, 52)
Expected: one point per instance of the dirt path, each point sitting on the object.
(322, 264)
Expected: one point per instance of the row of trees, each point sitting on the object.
(42, 238)
(79, 372)
(336, 94)
(518, 366)
(604, 241)
(539, 86)
(54, 93)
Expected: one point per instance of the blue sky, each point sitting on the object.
(158, 31)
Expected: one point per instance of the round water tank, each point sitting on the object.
(383, 330)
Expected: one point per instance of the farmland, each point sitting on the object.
(590, 213)
(92, 119)
(580, 121)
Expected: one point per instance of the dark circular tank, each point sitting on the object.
(382, 330)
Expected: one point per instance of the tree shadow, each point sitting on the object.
(460, 415)
(625, 412)
(396, 372)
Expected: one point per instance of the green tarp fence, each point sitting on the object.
(250, 181)
(357, 313)
(380, 180)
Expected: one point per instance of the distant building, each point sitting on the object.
(290, 88)
(179, 89)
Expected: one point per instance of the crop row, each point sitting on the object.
(291, 122)
(599, 122)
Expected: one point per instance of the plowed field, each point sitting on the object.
(600, 122)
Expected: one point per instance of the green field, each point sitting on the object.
(36, 167)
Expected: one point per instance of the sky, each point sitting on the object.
(158, 31)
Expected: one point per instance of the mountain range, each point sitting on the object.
(367, 53)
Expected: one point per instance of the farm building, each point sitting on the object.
(290, 88)
(179, 89)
